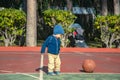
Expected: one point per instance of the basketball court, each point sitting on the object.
(23, 63)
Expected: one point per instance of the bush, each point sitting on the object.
(109, 28)
(12, 24)
(65, 18)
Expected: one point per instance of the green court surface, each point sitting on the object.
(82, 76)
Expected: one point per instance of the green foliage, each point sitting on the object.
(12, 19)
(12, 23)
(109, 27)
(113, 22)
(65, 18)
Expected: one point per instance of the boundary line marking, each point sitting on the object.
(11, 72)
(67, 49)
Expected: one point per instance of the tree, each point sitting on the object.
(31, 32)
(104, 7)
(109, 27)
(12, 24)
(116, 7)
(69, 4)
(65, 18)
(10, 3)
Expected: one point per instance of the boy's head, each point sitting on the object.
(58, 30)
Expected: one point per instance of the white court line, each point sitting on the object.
(87, 54)
(28, 75)
(5, 71)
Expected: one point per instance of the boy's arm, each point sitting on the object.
(45, 44)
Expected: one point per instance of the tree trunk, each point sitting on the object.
(64, 41)
(116, 7)
(31, 33)
(6, 41)
(25, 6)
(104, 7)
(69, 4)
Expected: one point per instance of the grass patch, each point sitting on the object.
(62, 77)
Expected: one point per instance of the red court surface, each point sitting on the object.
(27, 60)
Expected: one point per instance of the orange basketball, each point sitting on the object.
(88, 65)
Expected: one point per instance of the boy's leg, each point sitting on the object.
(57, 63)
(50, 62)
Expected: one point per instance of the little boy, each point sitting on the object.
(53, 45)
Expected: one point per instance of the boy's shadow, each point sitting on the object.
(45, 69)
(81, 70)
